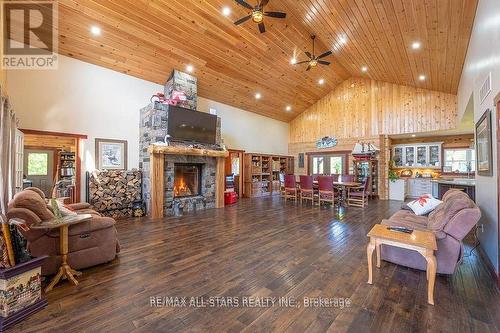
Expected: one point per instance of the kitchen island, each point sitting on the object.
(467, 185)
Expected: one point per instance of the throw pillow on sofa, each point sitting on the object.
(424, 204)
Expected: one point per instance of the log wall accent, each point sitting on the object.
(112, 192)
(362, 107)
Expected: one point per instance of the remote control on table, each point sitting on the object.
(401, 229)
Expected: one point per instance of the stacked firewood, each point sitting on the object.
(112, 192)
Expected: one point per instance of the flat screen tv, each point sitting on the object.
(194, 126)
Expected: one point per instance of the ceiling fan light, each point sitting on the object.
(313, 63)
(257, 16)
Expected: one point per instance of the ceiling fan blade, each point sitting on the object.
(323, 62)
(243, 19)
(326, 54)
(262, 27)
(302, 62)
(308, 68)
(308, 54)
(263, 3)
(244, 4)
(275, 14)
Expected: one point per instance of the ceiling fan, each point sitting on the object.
(315, 60)
(258, 14)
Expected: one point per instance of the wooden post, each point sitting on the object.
(157, 184)
(219, 183)
(8, 241)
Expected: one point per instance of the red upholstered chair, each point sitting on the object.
(358, 196)
(306, 189)
(291, 187)
(347, 178)
(326, 191)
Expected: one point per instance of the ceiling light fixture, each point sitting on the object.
(293, 61)
(189, 68)
(289, 108)
(413, 135)
(342, 40)
(421, 77)
(258, 96)
(95, 30)
(226, 11)
(416, 45)
(364, 69)
(321, 81)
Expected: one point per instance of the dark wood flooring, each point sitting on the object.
(265, 247)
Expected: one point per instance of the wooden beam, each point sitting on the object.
(219, 186)
(157, 185)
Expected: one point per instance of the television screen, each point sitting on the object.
(188, 125)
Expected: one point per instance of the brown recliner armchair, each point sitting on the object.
(91, 242)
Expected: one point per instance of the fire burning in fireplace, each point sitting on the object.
(187, 180)
(181, 189)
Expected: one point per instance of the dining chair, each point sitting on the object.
(347, 178)
(291, 187)
(326, 191)
(306, 189)
(336, 177)
(282, 184)
(358, 196)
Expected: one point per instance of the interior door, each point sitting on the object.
(39, 169)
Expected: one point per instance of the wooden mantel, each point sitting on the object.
(158, 152)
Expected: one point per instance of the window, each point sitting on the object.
(327, 164)
(462, 160)
(38, 164)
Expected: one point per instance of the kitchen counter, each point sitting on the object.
(456, 181)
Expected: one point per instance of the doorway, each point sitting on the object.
(234, 171)
(39, 169)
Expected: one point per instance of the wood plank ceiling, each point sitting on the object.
(148, 38)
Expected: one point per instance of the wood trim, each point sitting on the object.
(78, 171)
(38, 132)
(498, 181)
(241, 155)
(219, 182)
(157, 185)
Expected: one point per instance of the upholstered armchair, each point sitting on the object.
(90, 243)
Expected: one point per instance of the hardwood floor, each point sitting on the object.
(265, 247)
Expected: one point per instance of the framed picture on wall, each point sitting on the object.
(484, 165)
(111, 154)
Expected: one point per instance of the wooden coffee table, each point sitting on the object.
(65, 271)
(424, 242)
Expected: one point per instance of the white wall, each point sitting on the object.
(483, 57)
(86, 99)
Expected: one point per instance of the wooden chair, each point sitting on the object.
(347, 178)
(291, 187)
(306, 189)
(358, 196)
(326, 190)
(282, 185)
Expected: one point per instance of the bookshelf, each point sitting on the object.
(261, 173)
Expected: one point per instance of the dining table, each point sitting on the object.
(343, 186)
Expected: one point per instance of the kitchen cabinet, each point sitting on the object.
(418, 187)
(397, 189)
(424, 155)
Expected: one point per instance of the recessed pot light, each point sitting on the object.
(413, 135)
(416, 45)
(226, 11)
(364, 69)
(288, 108)
(189, 68)
(95, 30)
(421, 77)
(293, 61)
(258, 96)
(321, 81)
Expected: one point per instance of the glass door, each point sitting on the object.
(421, 155)
(410, 156)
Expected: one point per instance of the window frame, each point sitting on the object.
(443, 154)
(326, 155)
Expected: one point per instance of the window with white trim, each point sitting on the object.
(459, 160)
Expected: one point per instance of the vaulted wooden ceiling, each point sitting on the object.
(148, 38)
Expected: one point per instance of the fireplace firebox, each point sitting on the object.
(187, 179)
